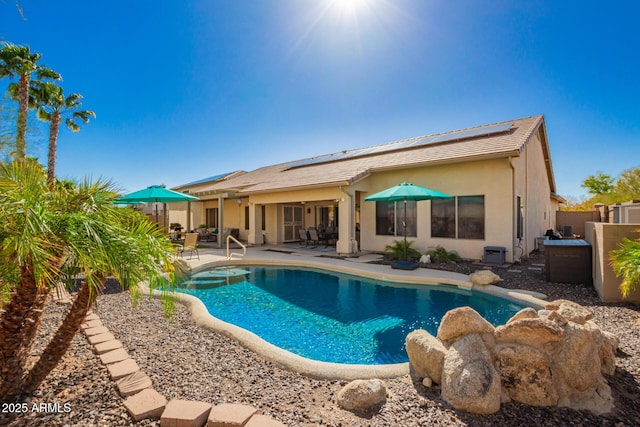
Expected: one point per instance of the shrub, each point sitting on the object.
(397, 250)
(626, 264)
(441, 255)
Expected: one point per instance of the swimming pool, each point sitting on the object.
(332, 317)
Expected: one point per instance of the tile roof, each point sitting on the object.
(347, 171)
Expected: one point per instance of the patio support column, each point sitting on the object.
(255, 224)
(347, 243)
(221, 220)
(188, 216)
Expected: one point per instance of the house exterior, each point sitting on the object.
(500, 175)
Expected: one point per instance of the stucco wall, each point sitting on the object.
(489, 178)
(576, 219)
(532, 183)
(604, 238)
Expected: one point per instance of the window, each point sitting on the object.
(212, 217)
(520, 217)
(264, 217)
(461, 217)
(390, 217)
(471, 217)
(246, 217)
(443, 218)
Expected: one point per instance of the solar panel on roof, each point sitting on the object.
(209, 179)
(419, 142)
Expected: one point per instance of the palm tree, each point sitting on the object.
(52, 105)
(21, 62)
(66, 231)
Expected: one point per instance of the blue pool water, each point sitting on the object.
(334, 317)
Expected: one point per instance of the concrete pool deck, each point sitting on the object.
(294, 256)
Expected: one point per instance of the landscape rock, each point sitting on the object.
(362, 395)
(574, 312)
(549, 357)
(484, 278)
(607, 345)
(525, 313)
(579, 359)
(462, 321)
(529, 331)
(555, 317)
(426, 354)
(526, 375)
(469, 380)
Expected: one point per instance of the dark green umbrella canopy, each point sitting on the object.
(402, 193)
(154, 194)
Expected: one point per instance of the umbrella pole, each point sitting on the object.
(404, 226)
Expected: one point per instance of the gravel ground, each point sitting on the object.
(187, 362)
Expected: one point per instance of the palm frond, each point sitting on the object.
(72, 125)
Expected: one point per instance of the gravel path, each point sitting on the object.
(187, 362)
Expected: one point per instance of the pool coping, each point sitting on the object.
(318, 369)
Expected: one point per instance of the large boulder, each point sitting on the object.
(570, 310)
(484, 278)
(469, 380)
(525, 313)
(362, 395)
(462, 321)
(598, 401)
(533, 332)
(554, 356)
(526, 375)
(607, 344)
(426, 354)
(578, 359)
(575, 312)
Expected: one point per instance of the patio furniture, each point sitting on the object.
(329, 235)
(313, 235)
(211, 235)
(304, 236)
(190, 245)
(176, 231)
(235, 232)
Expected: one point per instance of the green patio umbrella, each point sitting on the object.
(154, 194)
(402, 193)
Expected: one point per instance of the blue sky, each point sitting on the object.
(186, 90)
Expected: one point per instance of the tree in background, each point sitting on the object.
(628, 185)
(74, 232)
(52, 106)
(598, 184)
(609, 191)
(19, 61)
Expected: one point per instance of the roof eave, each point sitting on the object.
(249, 192)
(473, 158)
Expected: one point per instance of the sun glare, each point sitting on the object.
(348, 6)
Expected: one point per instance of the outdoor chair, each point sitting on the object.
(304, 236)
(313, 236)
(190, 245)
(211, 235)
